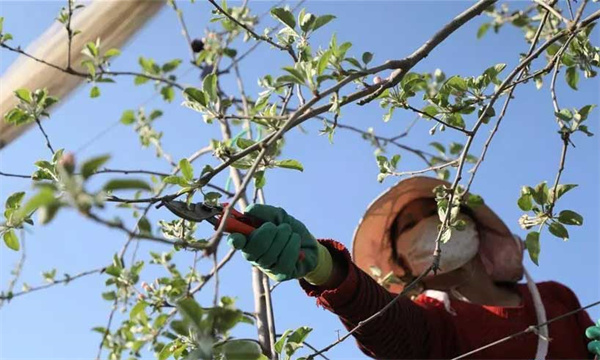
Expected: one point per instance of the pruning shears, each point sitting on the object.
(235, 223)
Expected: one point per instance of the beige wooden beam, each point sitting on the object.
(114, 22)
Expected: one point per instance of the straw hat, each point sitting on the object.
(372, 247)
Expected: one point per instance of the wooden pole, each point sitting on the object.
(114, 22)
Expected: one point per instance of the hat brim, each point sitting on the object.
(371, 245)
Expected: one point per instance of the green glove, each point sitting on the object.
(593, 333)
(276, 245)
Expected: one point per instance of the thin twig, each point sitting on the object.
(267, 39)
(431, 168)
(553, 11)
(424, 114)
(107, 329)
(87, 76)
(69, 32)
(488, 141)
(238, 59)
(66, 280)
(217, 282)
(184, 29)
(16, 272)
(45, 135)
(15, 175)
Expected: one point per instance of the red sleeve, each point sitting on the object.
(572, 302)
(406, 330)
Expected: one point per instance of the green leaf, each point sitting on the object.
(367, 57)
(112, 52)
(296, 74)
(290, 164)
(139, 80)
(558, 230)
(17, 117)
(167, 93)
(186, 170)
(126, 184)
(191, 311)
(47, 212)
(279, 344)
(562, 189)
(137, 309)
(307, 21)
(300, 334)
(128, 117)
(11, 240)
(109, 295)
(171, 65)
(91, 166)
(456, 83)
(569, 217)
(439, 147)
(24, 95)
(482, 30)
(242, 350)
(209, 85)
(195, 95)
(473, 201)
(323, 62)
(175, 180)
(91, 47)
(285, 16)
(259, 179)
(585, 111)
(165, 352)
(212, 198)
(525, 202)
(95, 92)
(14, 200)
(564, 114)
(44, 197)
(244, 143)
(572, 76)
(532, 243)
(322, 21)
(540, 193)
(144, 226)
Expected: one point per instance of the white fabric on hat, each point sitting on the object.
(462, 246)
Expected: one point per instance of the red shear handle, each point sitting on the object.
(241, 223)
(245, 224)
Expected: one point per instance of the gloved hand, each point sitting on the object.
(276, 245)
(593, 333)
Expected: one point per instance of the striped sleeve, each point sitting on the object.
(406, 330)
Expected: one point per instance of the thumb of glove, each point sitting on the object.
(237, 240)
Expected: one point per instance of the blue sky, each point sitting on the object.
(338, 182)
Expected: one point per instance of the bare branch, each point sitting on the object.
(267, 39)
(73, 72)
(65, 281)
(553, 11)
(45, 135)
(16, 273)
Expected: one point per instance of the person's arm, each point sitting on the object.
(284, 249)
(406, 330)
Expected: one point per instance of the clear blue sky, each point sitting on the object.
(330, 196)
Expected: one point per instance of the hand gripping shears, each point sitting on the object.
(236, 222)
